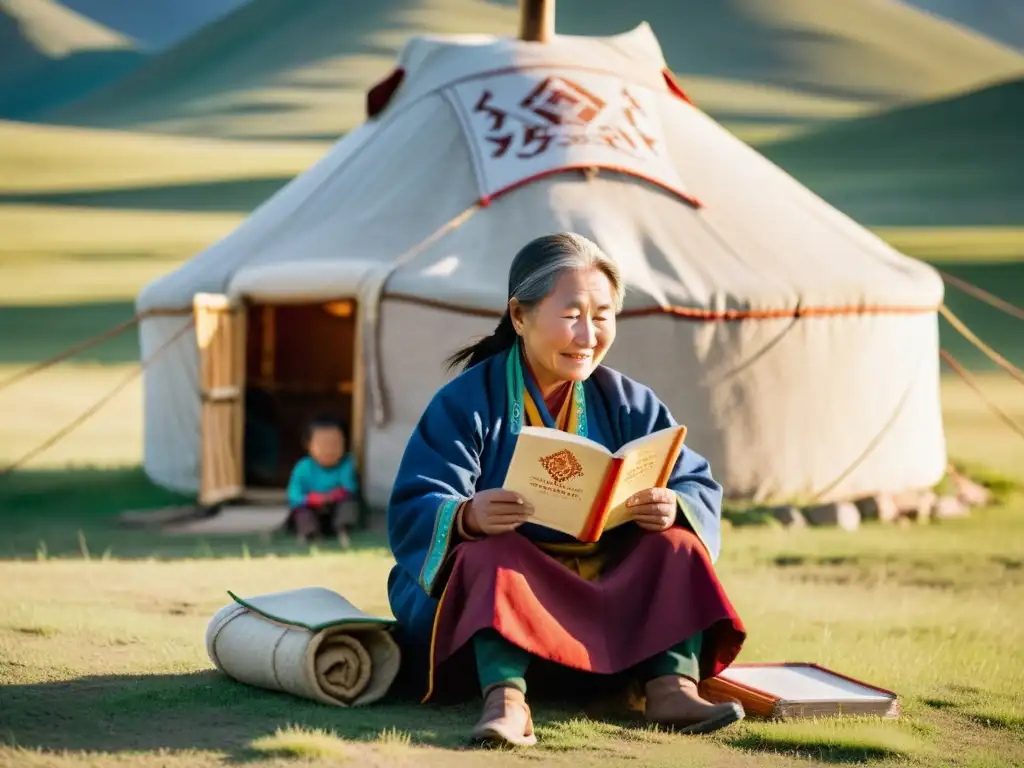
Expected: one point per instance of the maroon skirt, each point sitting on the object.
(657, 591)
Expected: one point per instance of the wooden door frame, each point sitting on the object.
(205, 306)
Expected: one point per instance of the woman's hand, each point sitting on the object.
(495, 511)
(653, 509)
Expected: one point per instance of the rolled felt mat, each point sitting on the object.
(309, 642)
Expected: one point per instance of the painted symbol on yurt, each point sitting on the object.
(532, 123)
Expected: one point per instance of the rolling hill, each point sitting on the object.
(50, 55)
(875, 51)
(949, 162)
(106, 211)
(155, 24)
(1002, 20)
(279, 69)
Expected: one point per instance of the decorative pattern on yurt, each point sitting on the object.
(528, 124)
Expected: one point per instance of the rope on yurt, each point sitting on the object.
(71, 351)
(79, 420)
(983, 295)
(960, 370)
(973, 384)
(990, 353)
(375, 374)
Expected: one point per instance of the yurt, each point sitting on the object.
(800, 350)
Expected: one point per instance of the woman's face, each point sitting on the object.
(567, 334)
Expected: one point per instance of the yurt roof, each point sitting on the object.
(703, 227)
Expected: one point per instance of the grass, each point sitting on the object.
(111, 647)
(41, 159)
(836, 741)
(303, 743)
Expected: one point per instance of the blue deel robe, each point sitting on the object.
(463, 444)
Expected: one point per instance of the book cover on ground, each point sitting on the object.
(796, 689)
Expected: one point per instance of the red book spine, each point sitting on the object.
(602, 504)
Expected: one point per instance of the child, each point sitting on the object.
(322, 491)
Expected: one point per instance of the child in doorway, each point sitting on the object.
(322, 491)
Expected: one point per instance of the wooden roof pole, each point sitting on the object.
(536, 20)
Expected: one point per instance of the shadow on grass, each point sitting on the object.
(824, 749)
(73, 513)
(981, 708)
(832, 740)
(201, 710)
(208, 711)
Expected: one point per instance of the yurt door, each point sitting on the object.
(301, 362)
(220, 334)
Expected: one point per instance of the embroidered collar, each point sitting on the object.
(518, 388)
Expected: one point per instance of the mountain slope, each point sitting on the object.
(49, 55)
(1002, 20)
(276, 68)
(866, 50)
(155, 24)
(953, 161)
(281, 69)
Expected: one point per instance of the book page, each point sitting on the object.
(802, 683)
(642, 463)
(559, 474)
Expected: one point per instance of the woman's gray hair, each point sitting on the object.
(533, 275)
(537, 267)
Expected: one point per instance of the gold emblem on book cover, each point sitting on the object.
(562, 466)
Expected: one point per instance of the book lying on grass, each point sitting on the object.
(785, 691)
(579, 487)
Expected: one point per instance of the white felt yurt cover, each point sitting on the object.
(799, 349)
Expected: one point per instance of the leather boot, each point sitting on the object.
(673, 701)
(506, 719)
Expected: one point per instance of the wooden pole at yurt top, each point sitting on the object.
(536, 20)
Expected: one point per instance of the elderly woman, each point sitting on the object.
(475, 577)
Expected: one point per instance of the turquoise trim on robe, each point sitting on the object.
(463, 443)
(440, 546)
(516, 382)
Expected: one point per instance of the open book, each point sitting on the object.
(579, 487)
(785, 691)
